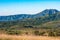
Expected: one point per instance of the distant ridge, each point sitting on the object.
(25, 16)
(47, 12)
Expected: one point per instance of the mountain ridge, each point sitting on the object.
(26, 16)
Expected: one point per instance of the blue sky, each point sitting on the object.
(12, 7)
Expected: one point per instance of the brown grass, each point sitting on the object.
(15, 37)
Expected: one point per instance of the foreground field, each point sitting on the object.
(14, 37)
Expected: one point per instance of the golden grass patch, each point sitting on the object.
(25, 37)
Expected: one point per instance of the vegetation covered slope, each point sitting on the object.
(48, 19)
(30, 22)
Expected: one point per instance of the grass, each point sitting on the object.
(26, 37)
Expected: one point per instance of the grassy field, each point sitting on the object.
(17, 37)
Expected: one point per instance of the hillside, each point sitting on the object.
(23, 20)
(46, 21)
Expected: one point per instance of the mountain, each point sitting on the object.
(48, 21)
(14, 17)
(47, 12)
(26, 16)
(35, 20)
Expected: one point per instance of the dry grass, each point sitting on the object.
(14, 37)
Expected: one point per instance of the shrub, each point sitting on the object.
(36, 32)
(26, 33)
(42, 33)
(57, 33)
(39, 33)
(51, 33)
(14, 32)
